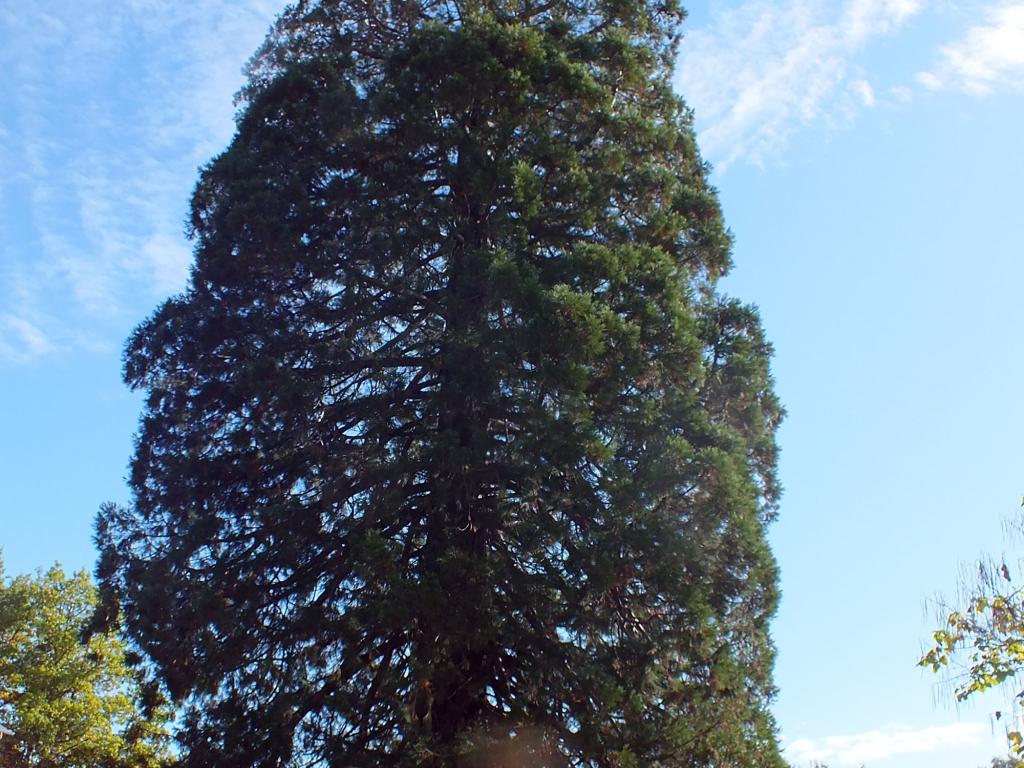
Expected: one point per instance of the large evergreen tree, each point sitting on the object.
(452, 455)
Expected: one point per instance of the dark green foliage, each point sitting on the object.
(452, 456)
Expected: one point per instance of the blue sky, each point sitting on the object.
(868, 155)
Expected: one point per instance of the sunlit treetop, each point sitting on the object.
(70, 703)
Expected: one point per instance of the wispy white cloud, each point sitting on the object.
(989, 57)
(901, 93)
(21, 341)
(864, 92)
(767, 67)
(871, 746)
(109, 110)
(168, 259)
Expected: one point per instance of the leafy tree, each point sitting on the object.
(981, 641)
(452, 454)
(70, 704)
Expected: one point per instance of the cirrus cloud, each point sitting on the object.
(990, 56)
(763, 69)
(108, 111)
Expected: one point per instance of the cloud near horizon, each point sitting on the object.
(891, 741)
(764, 68)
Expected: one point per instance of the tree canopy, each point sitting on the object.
(452, 454)
(70, 704)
